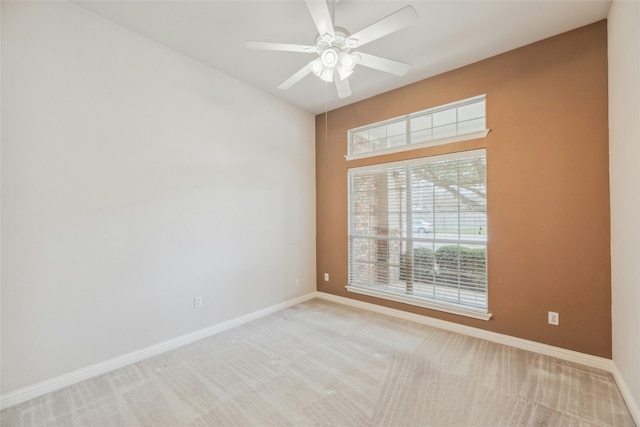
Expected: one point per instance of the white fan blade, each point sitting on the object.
(319, 11)
(343, 87)
(280, 46)
(383, 64)
(302, 73)
(392, 23)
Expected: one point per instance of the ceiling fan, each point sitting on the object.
(334, 47)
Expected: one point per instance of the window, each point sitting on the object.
(418, 232)
(453, 122)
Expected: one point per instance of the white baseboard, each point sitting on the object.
(626, 394)
(53, 384)
(561, 353)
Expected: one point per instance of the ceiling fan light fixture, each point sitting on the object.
(330, 58)
(348, 60)
(346, 63)
(316, 67)
(323, 73)
(327, 75)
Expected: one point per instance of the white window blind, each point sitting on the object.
(465, 119)
(418, 229)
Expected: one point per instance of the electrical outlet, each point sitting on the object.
(554, 318)
(326, 277)
(197, 302)
(297, 283)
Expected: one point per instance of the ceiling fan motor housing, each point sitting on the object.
(340, 41)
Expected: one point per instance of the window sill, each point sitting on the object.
(410, 147)
(420, 302)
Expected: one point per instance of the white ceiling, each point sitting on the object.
(448, 35)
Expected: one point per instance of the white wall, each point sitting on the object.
(134, 179)
(624, 159)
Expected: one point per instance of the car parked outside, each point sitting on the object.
(422, 226)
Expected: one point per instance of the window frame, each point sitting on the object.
(422, 301)
(408, 145)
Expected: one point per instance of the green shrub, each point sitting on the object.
(471, 275)
(447, 257)
(473, 267)
(471, 260)
(457, 280)
(423, 263)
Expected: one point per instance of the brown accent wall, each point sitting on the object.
(547, 186)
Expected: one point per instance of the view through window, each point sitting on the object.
(418, 228)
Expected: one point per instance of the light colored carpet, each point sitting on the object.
(321, 363)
